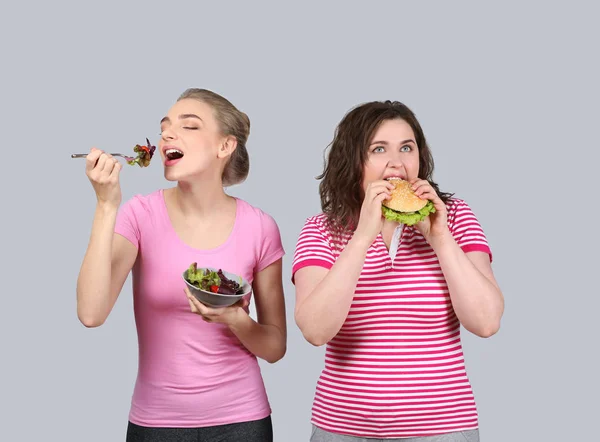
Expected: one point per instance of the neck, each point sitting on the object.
(200, 198)
(389, 225)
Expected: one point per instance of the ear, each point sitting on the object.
(228, 145)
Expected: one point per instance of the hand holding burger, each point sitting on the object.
(417, 203)
(405, 206)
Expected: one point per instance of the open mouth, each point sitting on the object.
(173, 154)
(394, 178)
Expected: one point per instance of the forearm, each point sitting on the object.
(265, 341)
(322, 314)
(477, 301)
(93, 283)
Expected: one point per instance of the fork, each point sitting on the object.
(83, 155)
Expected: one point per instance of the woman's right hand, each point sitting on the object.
(103, 169)
(371, 218)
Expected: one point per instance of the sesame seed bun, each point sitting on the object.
(403, 198)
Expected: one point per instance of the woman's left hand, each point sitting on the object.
(436, 224)
(225, 315)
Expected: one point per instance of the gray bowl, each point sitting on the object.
(218, 299)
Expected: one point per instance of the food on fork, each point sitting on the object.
(144, 155)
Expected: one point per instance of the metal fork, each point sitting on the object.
(83, 155)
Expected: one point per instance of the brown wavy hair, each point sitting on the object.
(340, 188)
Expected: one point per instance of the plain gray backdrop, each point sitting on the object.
(507, 95)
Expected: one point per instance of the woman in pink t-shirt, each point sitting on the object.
(387, 298)
(198, 377)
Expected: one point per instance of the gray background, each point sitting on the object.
(508, 97)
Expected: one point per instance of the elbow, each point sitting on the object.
(488, 330)
(278, 348)
(89, 315)
(491, 327)
(91, 323)
(314, 338)
(317, 341)
(276, 356)
(90, 320)
(485, 326)
(277, 352)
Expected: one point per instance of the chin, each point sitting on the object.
(178, 176)
(171, 175)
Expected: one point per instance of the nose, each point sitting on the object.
(395, 161)
(167, 134)
(395, 166)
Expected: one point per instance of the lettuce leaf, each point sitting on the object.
(202, 278)
(408, 218)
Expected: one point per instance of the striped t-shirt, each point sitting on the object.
(396, 368)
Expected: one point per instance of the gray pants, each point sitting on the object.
(319, 435)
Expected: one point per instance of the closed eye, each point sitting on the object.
(190, 128)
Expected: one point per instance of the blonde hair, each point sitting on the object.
(231, 122)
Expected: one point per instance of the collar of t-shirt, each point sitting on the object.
(396, 240)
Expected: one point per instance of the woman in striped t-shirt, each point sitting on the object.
(388, 299)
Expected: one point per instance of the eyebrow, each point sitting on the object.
(386, 143)
(182, 117)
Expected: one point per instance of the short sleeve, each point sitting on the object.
(127, 224)
(466, 229)
(270, 245)
(313, 247)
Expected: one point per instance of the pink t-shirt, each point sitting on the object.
(192, 373)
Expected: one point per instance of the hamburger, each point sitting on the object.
(405, 206)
